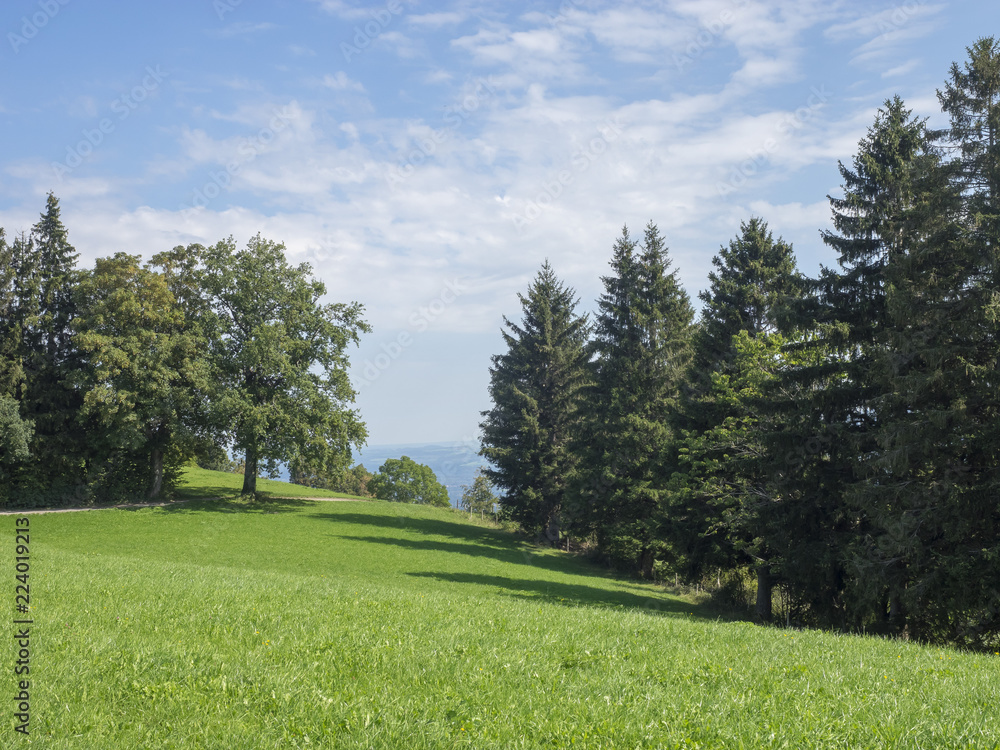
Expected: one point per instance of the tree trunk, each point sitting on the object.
(764, 586)
(250, 472)
(156, 463)
(646, 563)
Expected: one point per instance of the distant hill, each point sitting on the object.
(454, 464)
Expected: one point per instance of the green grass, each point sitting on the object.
(196, 482)
(295, 623)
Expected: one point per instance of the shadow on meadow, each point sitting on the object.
(573, 595)
(225, 500)
(503, 553)
(471, 535)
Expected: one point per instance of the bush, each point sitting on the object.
(403, 480)
(478, 498)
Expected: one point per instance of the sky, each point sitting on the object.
(425, 158)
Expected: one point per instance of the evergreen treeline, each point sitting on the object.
(835, 439)
(112, 378)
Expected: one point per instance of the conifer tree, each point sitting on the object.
(15, 433)
(712, 522)
(846, 315)
(47, 270)
(535, 387)
(627, 447)
(933, 491)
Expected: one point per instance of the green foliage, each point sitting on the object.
(626, 444)
(143, 367)
(933, 552)
(43, 314)
(353, 481)
(725, 481)
(403, 480)
(280, 360)
(752, 278)
(478, 497)
(535, 387)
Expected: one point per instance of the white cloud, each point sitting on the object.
(887, 30)
(901, 70)
(436, 20)
(339, 81)
(243, 28)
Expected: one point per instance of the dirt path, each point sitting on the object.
(159, 505)
(92, 507)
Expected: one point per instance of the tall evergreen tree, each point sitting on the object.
(753, 276)
(535, 387)
(642, 346)
(848, 319)
(936, 542)
(47, 269)
(10, 364)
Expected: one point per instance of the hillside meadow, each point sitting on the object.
(294, 623)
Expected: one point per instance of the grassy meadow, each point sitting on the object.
(295, 623)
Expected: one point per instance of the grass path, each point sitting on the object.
(295, 623)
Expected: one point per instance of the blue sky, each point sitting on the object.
(426, 157)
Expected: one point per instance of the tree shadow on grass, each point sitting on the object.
(501, 552)
(576, 595)
(228, 501)
(472, 535)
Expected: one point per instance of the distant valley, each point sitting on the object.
(454, 463)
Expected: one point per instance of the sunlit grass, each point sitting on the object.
(293, 623)
(197, 482)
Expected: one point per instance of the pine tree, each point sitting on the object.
(752, 278)
(47, 309)
(535, 388)
(627, 447)
(935, 482)
(846, 317)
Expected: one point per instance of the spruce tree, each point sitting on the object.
(627, 447)
(15, 433)
(535, 387)
(714, 519)
(846, 315)
(59, 448)
(934, 486)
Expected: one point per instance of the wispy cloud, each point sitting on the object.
(887, 30)
(339, 81)
(242, 28)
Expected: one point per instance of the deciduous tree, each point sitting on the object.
(280, 359)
